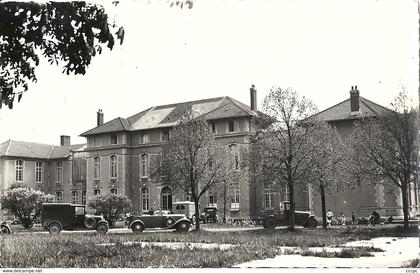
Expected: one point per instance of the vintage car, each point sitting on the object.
(188, 209)
(279, 218)
(138, 223)
(210, 214)
(4, 228)
(56, 217)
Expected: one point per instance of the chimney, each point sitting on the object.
(65, 141)
(354, 101)
(100, 117)
(253, 93)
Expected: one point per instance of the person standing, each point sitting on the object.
(342, 219)
(353, 219)
(330, 215)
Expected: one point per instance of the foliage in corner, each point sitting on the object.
(65, 33)
(111, 206)
(24, 203)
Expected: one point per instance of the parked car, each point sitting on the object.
(210, 214)
(56, 217)
(4, 228)
(138, 223)
(304, 218)
(188, 209)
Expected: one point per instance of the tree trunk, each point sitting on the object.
(292, 207)
(224, 205)
(405, 204)
(197, 215)
(324, 213)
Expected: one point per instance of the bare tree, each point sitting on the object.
(385, 147)
(192, 161)
(281, 152)
(328, 159)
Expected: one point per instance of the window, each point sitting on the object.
(285, 195)
(75, 197)
(166, 198)
(96, 192)
(231, 125)
(95, 141)
(84, 197)
(144, 165)
(113, 166)
(268, 198)
(145, 199)
(59, 196)
(113, 191)
(144, 138)
(165, 135)
(234, 149)
(234, 204)
(38, 172)
(213, 127)
(59, 171)
(114, 139)
(187, 196)
(19, 170)
(96, 168)
(213, 198)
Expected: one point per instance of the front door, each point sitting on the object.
(79, 216)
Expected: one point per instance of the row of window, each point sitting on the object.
(144, 164)
(145, 138)
(75, 196)
(38, 171)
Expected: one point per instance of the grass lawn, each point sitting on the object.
(81, 250)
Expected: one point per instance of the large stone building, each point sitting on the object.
(56, 170)
(119, 153)
(364, 198)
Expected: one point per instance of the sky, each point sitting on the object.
(220, 48)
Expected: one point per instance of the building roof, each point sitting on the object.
(167, 115)
(32, 150)
(341, 111)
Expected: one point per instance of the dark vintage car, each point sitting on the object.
(138, 223)
(56, 217)
(5, 229)
(210, 214)
(281, 218)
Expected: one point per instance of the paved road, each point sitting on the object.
(397, 252)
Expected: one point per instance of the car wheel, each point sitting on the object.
(170, 221)
(183, 227)
(137, 228)
(270, 223)
(90, 222)
(102, 228)
(5, 230)
(54, 228)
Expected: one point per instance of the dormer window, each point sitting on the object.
(213, 127)
(114, 139)
(231, 126)
(144, 138)
(165, 135)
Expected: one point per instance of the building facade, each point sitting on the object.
(48, 168)
(119, 153)
(364, 198)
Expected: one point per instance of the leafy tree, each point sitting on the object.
(328, 159)
(111, 206)
(24, 203)
(192, 161)
(385, 147)
(280, 153)
(65, 33)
